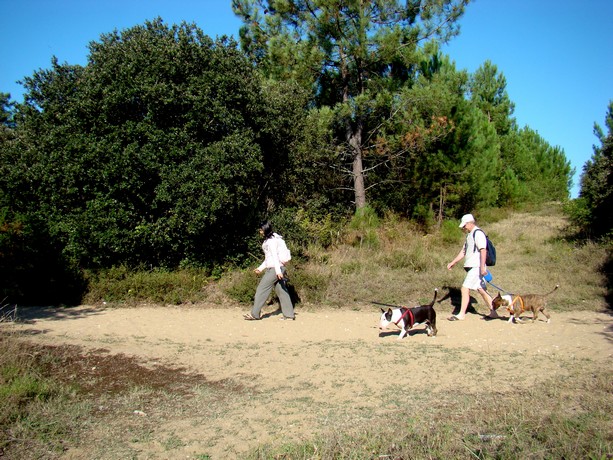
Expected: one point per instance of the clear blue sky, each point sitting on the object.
(556, 55)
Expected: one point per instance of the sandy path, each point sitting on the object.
(328, 365)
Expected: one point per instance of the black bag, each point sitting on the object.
(490, 249)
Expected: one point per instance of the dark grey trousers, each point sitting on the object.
(267, 283)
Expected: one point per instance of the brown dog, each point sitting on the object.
(517, 304)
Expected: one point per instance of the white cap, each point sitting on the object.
(466, 218)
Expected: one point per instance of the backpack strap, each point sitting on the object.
(475, 245)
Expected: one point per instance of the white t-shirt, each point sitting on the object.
(472, 256)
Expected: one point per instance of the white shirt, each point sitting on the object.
(472, 256)
(271, 255)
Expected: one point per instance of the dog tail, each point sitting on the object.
(434, 299)
(553, 290)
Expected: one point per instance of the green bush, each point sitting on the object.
(450, 232)
(124, 285)
(242, 286)
(310, 287)
(364, 219)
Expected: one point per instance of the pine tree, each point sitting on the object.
(597, 181)
(344, 50)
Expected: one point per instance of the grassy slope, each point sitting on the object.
(404, 265)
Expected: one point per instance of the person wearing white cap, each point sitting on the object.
(474, 253)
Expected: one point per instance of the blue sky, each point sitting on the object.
(556, 55)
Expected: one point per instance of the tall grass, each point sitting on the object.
(124, 286)
(407, 264)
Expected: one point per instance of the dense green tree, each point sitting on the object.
(6, 119)
(442, 151)
(515, 159)
(488, 92)
(596, 193)
(544, 169)
(412, 145)
(160, 151)
(348, 52)
(32, 268)
(5, 110)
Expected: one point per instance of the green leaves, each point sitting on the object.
(149, 154)
(596, 191)
(168, 147)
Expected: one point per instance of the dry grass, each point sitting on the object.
(407, 265)
(113, 414)
(569, 419)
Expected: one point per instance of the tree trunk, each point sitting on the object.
(441, 204)
(353, 136)
(355, 143)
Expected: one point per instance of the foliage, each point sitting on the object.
(595, 202)
(241, 287)
(33, 270)
(168, 148)
(346, 53)
(122, 285)
(488, 93)
(158, 152)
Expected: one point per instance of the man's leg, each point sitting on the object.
(470, 282)
(487, 298)
(464, 303)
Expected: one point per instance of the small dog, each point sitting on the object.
(406, 318)
(518, 304)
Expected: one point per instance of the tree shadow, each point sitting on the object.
(30, 315)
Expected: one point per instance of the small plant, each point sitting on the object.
(8, 313)
(450, 232)
(362, 229)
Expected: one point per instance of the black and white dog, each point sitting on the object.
(405, 318)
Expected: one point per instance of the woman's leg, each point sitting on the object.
(286, 301)
(269, 278)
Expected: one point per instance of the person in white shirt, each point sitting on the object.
(474, 253)
(274, 277)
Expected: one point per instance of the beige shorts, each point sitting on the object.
(473, 279)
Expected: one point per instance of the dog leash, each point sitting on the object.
(499, 288)
(387, 304)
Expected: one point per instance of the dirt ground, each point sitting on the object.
(327, 370)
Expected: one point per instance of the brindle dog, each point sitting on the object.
(517, 304)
